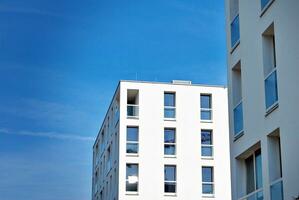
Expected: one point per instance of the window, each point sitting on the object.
(235, 31)
(207, 180)
(206, 143)
(265, 4)
(237, 99)
(269, 62)
(102, 146)
(169, 105)
(275, 166)
(170, 179)
(132, 140)
(108, 158)
(169, 141)
(132, 103)
(206, 107)
(254, 178)
(132, 178)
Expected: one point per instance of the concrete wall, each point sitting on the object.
(257, 124)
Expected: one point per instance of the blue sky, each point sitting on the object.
(60, 61)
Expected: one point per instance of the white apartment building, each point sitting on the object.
(163, 141)
(263, 69)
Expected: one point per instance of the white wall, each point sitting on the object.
(188, 130)
(285, 15)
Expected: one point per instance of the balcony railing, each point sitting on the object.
(265, 3)
(256, 195)
(276, 190)
(235, 31)
(132, 110)
(238, 118)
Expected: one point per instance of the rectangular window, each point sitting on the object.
(169, 141)
(235, 31)
(207, 180)
(254, 178)
(170, 179)
(132, 178)
(132, 103)
(108, 158)
(132, 140)
(169, 105)
(237, 99)
(206, 107)
(269, 62)
(206, 143)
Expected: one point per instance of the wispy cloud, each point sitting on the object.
(50, 135)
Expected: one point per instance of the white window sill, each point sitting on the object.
(271, 108)
(208, 196)
(238, 135)
(169, 156)
(266, 7)
(207, 157)
(132, 117)
(206, 121)
(131, 193)
(170, 194)
(169, 119)
(132, 154)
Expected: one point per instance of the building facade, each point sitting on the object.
(263, 57)
(163, 141)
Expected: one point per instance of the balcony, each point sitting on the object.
(276, 190)
(132, 111)
(235, 32)
(238, 119)
(256, 195)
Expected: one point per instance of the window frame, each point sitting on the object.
(166, 107)
(167, 181)
(212, 183)
(207, 109)
(207, 145)
(274, 105)
(132, 142)
(170, 143)
(127, 179)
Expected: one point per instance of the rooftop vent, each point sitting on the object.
(181, 82)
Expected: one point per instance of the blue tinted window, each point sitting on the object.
(132, 147)
(206, 115)
(132, 172)
(170, 173)
(207, 174)
(169, 112)
(277, 191)
(206, 137)
(207, 151)
(207, 188)
(132, 133)
(235, 31)
(169, 99)
(169, 135)
(258, 169)
(264, 3)
(205, 101)
(238, 119)
(271, 90)
(169, 149)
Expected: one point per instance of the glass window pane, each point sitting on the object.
(131, 187)
(238, 119)
(132, 134)
(169, 99)
(207, 188)
(169, 112)
(206, 115)
(132, 148)
(169, 149)
(169, 173)
(207, 174)
(206, 137)
(249, 175)
(169, 187)
(276, 191)
(235, 31)
(132, 170)
(271, 90)
(205, 101)
(169, 135)
(207, 151)
(258, 169)
(264, 3)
